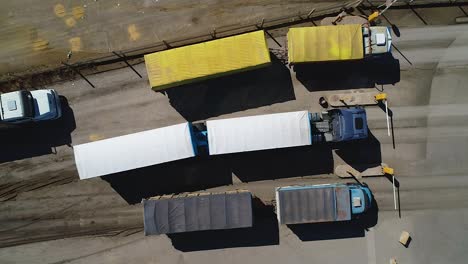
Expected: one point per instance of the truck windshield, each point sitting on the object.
(337, 124)
(367, 200)
(28, 104)
(358, 123)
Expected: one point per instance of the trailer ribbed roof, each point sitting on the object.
(198, 212)
(325, 43)
(209, 59)
(310, 204)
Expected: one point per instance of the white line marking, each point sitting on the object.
(371, 257)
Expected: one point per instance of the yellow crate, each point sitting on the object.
(214, 58)
(325, 43)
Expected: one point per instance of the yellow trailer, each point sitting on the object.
(325, 43)
(205, 60)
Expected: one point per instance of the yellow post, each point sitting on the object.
(387, 170)
(380, 96)
(373, 16)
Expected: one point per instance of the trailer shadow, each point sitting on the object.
(337, 230)
(235, 92)
(360, 154)
(263, 233)
(282, 163)
(187, 175)
(366, 73)
(203, 172)
(37, 139)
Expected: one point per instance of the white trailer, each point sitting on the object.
(259, 132)
(223, 136)
(134, 151)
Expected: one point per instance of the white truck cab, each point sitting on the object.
(377, 40)
(30, 106)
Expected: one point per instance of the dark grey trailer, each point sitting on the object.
(196, 212)
(321, 203)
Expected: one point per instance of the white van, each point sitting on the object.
(30, 106)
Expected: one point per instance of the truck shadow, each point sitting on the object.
(263, 233)
(282, 163)
(338, 230)
(232, 93)
(366, 73)
(360, 154)
(203, 172)
(187, 175)
(37, 139)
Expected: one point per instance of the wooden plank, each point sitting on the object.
(359, 171)
(352, 99)
(404, 238)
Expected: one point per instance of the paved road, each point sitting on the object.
(43, 198)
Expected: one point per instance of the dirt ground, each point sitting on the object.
(41, 35)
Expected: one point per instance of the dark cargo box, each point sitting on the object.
(196, 212)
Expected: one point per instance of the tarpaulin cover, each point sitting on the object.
(134, 151)
(259, 132)
(182, 65)
(325, 43)
(196, 213)
(309, 204)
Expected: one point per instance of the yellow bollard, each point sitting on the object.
(380, 96)
(373, 16)
(387, 170)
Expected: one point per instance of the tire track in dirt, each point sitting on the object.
(10, 191)
(17, 239)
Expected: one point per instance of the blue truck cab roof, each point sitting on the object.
(361, 199)
(349, 124)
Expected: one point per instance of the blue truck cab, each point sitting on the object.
(361, 198)
(348, 124)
